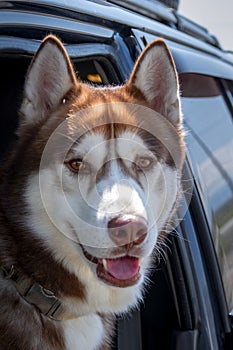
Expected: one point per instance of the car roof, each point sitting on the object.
(148, 17)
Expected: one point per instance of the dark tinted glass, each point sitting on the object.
(210, 146)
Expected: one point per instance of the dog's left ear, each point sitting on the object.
(155, 76)
(49, 78)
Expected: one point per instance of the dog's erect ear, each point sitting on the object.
(155, 76)
(49, 78)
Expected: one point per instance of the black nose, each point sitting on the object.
(127, 230)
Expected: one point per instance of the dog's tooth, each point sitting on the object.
(105, 264)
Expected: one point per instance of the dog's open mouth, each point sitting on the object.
(118, 272)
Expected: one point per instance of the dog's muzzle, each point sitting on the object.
(126, 232)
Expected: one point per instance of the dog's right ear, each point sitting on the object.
(49, 78)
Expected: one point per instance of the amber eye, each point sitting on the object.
(144, 162)
(75, 165)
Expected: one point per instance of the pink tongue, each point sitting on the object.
(123, 268)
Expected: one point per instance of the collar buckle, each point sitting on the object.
(35, 294)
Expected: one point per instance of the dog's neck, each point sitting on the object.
(36, 295)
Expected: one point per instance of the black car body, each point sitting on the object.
(190, 302)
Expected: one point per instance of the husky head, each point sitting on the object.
(103, 168)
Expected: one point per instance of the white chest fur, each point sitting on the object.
(86, 332)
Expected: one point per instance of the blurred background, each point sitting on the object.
(215, 15)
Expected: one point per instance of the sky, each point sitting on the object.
(215, 15)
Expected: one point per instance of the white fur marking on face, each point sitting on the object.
(130, 146)
(93, 149)
(119, 199)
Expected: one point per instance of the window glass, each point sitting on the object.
(210, 146)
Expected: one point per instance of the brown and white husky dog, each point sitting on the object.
(87, 190)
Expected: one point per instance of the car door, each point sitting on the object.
(206, 256)
(208, 119)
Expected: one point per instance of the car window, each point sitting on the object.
(96, 70)
(210, 146)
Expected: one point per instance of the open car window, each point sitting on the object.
(97, 70)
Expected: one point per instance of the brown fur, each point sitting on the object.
(22, 326)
